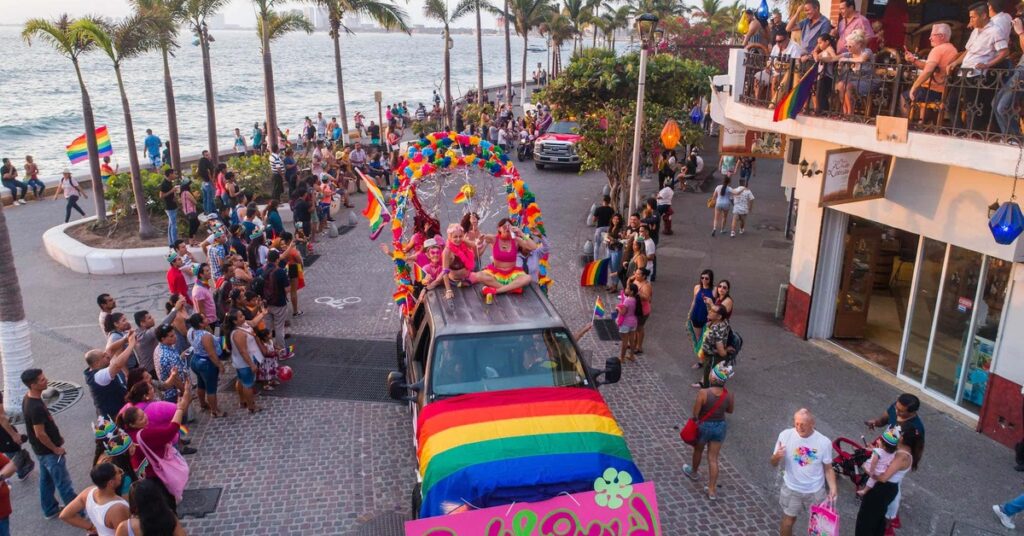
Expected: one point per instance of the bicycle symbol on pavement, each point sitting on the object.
(338, 303)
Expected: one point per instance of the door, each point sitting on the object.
(857, 283)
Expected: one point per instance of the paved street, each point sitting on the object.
(344, 465)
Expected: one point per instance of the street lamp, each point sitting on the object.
(646, 25)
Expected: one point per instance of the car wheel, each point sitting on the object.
(417, 501)
(539, 165)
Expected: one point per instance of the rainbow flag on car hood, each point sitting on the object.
(499, 447)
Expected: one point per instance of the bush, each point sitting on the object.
(118, 191)
(252, 173)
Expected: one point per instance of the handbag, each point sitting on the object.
(170, 467)
(824, 519)
(711, 201)
(691, 432)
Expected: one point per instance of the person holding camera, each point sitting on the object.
(11, 441)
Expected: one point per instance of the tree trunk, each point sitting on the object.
(268, 92)
(447, 80)
(211, 112)
(145, 226)
(336, 37)
(595, 37)
(15, 340)
(522, 92)
(172, 114)
(91, 146)
(479, 54)
(508, 57)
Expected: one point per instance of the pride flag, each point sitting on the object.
(797, 97)
(494, 448)
(78, 151)
(419, 275)
(375, 212)
(461, 198)
(595, 273)
(599, 310)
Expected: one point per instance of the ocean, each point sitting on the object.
(40, 104)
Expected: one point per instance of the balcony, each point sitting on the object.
(956, 127)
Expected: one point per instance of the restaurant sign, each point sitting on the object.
(755, 143)
(854, 175)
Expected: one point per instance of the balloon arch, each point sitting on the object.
(443, 153)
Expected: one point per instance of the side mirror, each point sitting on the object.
(612, 370)
(396, 385)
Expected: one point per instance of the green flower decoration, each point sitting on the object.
(612, 488)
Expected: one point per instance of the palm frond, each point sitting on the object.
(463, 8)
(436, 10)
(59, 34)
(279, 24)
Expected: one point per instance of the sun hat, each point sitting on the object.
(67, 171)
(118, 444)
(104, 427)
(171, 256)
(431, 243)
(721, 372)
(892, 434)
(256, 233)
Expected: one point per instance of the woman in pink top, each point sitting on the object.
(156, 457)
(627, 321)
(158, 412)
(503, 275)
(202, 296)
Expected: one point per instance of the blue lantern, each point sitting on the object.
(1007, 223)
(696, 115)
(763, 12)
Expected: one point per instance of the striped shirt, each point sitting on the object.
(276, 164)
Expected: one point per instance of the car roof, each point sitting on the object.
(468, 313)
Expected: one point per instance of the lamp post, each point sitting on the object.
(646, 24)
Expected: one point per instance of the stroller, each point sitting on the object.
(849, 459)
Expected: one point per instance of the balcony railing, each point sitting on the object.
(977, 106)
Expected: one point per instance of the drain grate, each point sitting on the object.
(67, 394)
(345, 369)
(199, 502)
(385, 524)
(776, 244)
(606, 330)
(309, 260)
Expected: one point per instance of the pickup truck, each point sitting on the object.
(504, 406)
(557, 146)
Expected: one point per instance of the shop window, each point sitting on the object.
(955, 310)
(923, 308)
(986, 330)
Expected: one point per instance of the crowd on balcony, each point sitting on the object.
(970, 89)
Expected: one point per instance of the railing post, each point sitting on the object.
(896, 90)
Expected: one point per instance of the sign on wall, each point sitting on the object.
(854, 175)
(632, 511)
(755, 143)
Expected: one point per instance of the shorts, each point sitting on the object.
(711, 432)
(207, 374)
(641, 320)
(246, 376)
(626, 329)
(795, 503)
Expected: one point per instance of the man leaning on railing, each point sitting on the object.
(1006, 113)
(986, 48)
(930, 84)
(774, 69)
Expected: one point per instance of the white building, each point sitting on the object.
(893, 258)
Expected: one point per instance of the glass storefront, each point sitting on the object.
(923, 309)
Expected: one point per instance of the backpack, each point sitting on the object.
(268, 285)
(736, 342)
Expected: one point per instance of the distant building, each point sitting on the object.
(216, 22)
(317, 16)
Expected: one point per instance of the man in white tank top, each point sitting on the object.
(104, 508)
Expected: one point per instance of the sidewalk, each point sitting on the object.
(779, 373)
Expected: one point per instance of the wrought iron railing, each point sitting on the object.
(979, 106)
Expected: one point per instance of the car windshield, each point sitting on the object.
(477, 363)
(563, 127)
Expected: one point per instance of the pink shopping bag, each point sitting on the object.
(824, 519)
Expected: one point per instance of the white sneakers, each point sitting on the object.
(1003, 518)
(20, 202)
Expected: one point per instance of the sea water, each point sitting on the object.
(41, 106)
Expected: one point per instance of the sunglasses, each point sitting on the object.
(726, 287)
(705, 278)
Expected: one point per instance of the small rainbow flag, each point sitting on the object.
(794, 101)
(376, 212)
(595, 273)
(78, 150)
(419, 274)
(401, 297)
(599, 309)
(461, 198)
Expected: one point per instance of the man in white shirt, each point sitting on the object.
(664, 200)
(806, 457)
(106, 304)
(986, 48)
(650, 249)
(742, 202)
(783, 50)
(321, 126)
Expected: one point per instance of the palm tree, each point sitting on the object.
(15, 335)
(480, 47)
(438, 10)
(271, 25)
(527, 15)
(61, 34)
(592, 7)
(559, 28)
(195, 13)
(508, 53)
(716, 13)
(164, 16)
(387, 15)
(576, 12)
(129, 38)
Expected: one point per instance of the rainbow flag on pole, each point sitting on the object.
(794, 101)
(595, 273)
(599, 310)
(78, 151)
(523, 445)
(376, 211)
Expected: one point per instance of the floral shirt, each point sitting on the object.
(169, 360)
(717, 332)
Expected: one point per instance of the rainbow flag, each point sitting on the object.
(375, 212)
(599, 309)
(595, 273)
(521, 445)
(78, 150)
(419, 275)
(401, 297)
(461, 198)
(797, 97)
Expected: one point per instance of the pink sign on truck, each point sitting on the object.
(630, 510)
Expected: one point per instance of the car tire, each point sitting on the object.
(539, 165)
(417, 501)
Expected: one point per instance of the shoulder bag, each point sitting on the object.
(690, 432)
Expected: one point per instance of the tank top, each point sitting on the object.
(699, 313)
(500, 255)
(897, 477)
(250, 345)
(98, 513)
(709, 400)
(195, 338)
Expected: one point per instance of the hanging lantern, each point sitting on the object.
(743, 26)
(763, 11)
(670, 134)
(1007, 223)
(696, 115)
